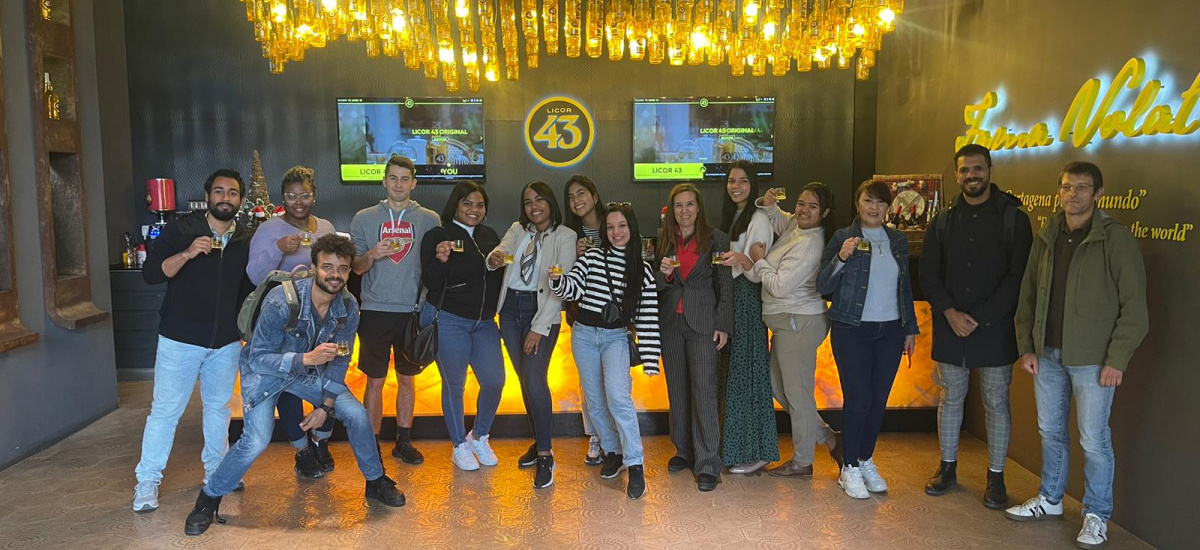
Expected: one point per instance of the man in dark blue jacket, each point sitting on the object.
(975, 254)
(202, 257)
(308, 359)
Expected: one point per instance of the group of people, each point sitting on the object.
(736, 311)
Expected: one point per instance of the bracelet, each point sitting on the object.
(328, 410)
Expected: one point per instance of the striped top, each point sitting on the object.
(588, 284)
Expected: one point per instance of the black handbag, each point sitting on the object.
(611, 313)
(419, 345)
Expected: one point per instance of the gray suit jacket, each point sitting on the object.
(707, 305)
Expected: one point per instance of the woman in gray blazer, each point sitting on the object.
(696, 316)
(530, 314)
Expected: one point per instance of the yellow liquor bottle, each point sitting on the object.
(53, 110)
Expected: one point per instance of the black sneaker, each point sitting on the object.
(405, 451)
(637, 483)
(384, 490)
(203, 515)
(307, 465)
(323, 455)
(613, 464)
(678, 464)
(529, 458)
(545, 472)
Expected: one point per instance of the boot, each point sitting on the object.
(996, 496)
(943, 480)
(384, 490)
(203, 514)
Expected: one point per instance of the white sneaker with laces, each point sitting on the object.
(482, 450)
(1036, 508)
(1094, 534)
(464, 458)
(145, 497)
(852, 481)
(871, 477)
(594, 454)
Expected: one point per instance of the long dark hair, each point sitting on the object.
(460, 192)
(703, 235)
(570, 219)
(634, 270)
(730, 221)
(545, 192)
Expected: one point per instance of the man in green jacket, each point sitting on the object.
(1081, 314)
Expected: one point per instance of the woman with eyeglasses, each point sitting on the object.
(795, 313)
(584, 213)
(280, 244)
(617, 298)
(865, 271)
(749, 440)
(530, 314)
(696, 313)
(463, 293)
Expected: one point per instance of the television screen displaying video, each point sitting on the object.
(677, 139)
(442, 136)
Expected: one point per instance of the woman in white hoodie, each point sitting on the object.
(796, 315)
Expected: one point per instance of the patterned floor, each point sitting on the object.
(77, 495)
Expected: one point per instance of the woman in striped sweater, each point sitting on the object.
(612, 298)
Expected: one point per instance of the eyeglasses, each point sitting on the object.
(1080, 188)
(618, 204)
(300, 197)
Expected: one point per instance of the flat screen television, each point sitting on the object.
(694, 138)
(443, 136)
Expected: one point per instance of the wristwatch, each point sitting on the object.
(328, 410)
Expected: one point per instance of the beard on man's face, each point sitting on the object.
(223, 211)
(324, 283)
(974, 193)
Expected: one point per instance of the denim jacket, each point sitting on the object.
(848, 286)
(274, 358)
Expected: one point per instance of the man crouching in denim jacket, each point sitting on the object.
(275, 360)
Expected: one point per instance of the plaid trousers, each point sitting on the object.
(994, 381)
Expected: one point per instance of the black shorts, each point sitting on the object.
(379, 334)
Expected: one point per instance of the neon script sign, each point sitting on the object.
(1092, 114)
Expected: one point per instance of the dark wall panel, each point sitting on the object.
(947, 54)
(201, 97)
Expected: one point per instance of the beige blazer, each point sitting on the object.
(557, 248)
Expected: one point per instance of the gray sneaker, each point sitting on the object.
(145, 497)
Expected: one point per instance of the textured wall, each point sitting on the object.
(947, 54)
(66, 379)
(201, 97)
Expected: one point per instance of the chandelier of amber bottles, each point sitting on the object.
(463, 39)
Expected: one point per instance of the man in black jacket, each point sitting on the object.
(971, 269)
(202, 257)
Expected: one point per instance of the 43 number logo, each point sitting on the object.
(559, 131)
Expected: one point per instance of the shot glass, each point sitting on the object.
(674, 260)
(217, 243)
(717, 258)
(394, 243)
(343, 348)
(780, 194)
(556, 270)
(458, 245)
(306, 239)
(863, 246)
(508, 258)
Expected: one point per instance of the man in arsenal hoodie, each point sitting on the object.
(202, 257)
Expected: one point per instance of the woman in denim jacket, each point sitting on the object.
(865, 271)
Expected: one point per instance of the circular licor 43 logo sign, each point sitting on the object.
(559, 131)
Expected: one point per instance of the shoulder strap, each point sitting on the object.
(293, 303)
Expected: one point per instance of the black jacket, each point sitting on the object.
(471, 291)
(707, 304)
(203, 298)
(977, 270)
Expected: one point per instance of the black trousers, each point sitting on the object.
(690, 364)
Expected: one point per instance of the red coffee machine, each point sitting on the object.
(160, 197)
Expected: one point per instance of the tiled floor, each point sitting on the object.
(77, 495)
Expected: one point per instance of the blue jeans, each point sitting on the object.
(259, 422)
(463, 342)
(602, 357)
(177, 366)
(516, 317)
(868, 357)
(1053, 387)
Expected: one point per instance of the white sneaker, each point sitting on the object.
(482, 450)
(852, 481)
(871, 477)
(1036, 508)
(145, 497)
(748, 468)
(464, 458)
(1094, 534)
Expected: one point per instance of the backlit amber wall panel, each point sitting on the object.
(914, 386)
